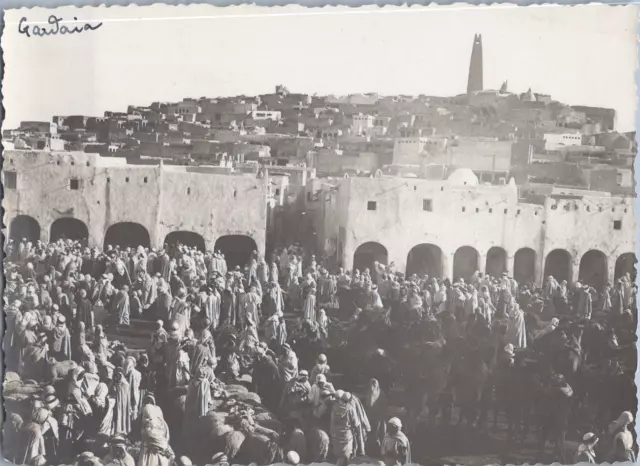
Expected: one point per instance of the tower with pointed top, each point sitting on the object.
(475, 66)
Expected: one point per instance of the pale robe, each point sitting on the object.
(122, 410)
(516, 330)
(155, 438)
(198, 398)
(122, 308)
(133, 378)
(214, 302)
(181, 313)
(252, 301)
(309, 307)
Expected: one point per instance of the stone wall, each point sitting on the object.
(161, 199)
(482, 217)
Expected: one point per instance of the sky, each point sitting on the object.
(581, 55)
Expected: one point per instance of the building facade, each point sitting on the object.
(52, 195)
(454, 227)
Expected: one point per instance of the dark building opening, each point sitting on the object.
(69, 228)
(367, 254)
(186, 238)
(558, 264)
(127, 234)
(24, 226)
(465, 262)
(425, 259)
(237, 249)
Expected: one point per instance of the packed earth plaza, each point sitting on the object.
(281, 359)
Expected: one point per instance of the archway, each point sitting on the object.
(69, 228)
(237, 249)
(127, 234)
(465, 262)
(425, 259)
(524, 265)
(558, 264)
(187, 238)
(626, 263)
(593, 269)
(24, 226)
(496, 261)
(367, 254)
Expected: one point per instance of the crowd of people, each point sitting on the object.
(79, 392)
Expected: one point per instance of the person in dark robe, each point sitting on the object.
(84, 309)
(34, 444)
(201, 354)
(61, 341)
(266, 378)
(121, 276)
(122, 409)
(176, 283)
(228, 306)
(34, 358)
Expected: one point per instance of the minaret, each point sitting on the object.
(475, 66)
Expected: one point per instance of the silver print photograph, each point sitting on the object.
(251, 235)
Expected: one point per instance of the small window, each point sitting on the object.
(188, 190)
(72, 162)
(518, 212)
(88, 164)
(613, 209)
(74, 184)
(146, 179)
(235, 193)
(427, 205)
(477, 210)
(617, 224)
(372, 205)
(10, 180)
(506, 211)
(126, 179)
(277, 191)
(108, 180)
(464, 209)
(490, 211)
(308, 196)
(58, 162)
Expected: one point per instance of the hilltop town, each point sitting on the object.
(497, 134)
(463, 154)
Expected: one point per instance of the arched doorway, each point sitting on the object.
(558, 264)
(69, 228)
(127, 234)
(465, 262)
(496, 261)
(425, 259)
(237, 249)
(626, 263)
(24, 226)
(367, 254)
(187, 238)
(524, 265)
(593, 269)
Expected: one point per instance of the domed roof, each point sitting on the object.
(463, 177)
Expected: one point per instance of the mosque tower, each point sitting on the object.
(475, 67)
